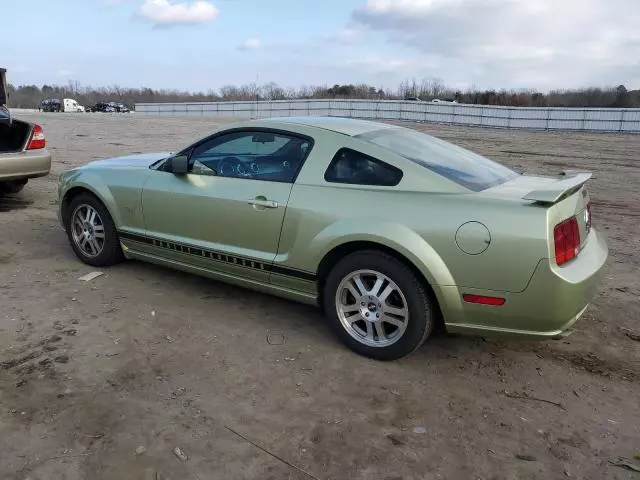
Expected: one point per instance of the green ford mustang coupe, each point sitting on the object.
(389, 230)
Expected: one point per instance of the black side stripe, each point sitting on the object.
(218, 256)
(292, 272)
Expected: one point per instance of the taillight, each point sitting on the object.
(589, 216)
(566, 239)
(37, 140)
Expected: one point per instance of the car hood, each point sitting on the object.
(141, 160)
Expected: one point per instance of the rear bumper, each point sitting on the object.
(27, 164)
(555, 298)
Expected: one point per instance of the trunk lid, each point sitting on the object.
(3, 87)
(561, 197)
(5, 116)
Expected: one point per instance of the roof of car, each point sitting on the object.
(346, 126)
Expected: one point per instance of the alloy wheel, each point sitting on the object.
(372, 308)
(87, 230)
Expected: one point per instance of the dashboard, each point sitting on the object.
(246, 166)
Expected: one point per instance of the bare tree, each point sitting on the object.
(29, 96)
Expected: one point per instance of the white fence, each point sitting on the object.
(587, 119)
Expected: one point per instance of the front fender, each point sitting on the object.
(392, 235)
(92, 182)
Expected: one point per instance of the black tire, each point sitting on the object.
(111, 253)
(12, 187)
(420, 305)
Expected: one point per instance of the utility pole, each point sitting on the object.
(257, 95)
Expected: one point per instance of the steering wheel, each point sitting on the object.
(230, 166)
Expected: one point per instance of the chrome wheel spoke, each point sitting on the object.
(95, 246)
(354, 291)
(91, 245)
(369, 330)
(91, 216)
(399, 312)
(376, 286)
(387, 291)
(84, 243)
(393, 321)
(349, 308)
(359, 285)
(380, 331)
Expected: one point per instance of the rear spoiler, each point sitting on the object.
(571, 182)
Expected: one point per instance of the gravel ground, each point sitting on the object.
(104, 379)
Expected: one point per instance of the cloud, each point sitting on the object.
(544, 43)
(346, 36)
(378, 64)
(251, 43)
(166, 13)
(20, 69)
(63, 72)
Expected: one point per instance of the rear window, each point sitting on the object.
(356, 168)
(458, 164)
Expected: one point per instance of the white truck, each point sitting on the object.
(70, 105)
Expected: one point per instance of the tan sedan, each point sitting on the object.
(23, 153)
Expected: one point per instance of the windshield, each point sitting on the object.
(458, 164)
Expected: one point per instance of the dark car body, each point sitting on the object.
(110, 107)
(51, 105)
(119, 107)
(101, 107)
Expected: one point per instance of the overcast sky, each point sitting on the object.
(198, 45)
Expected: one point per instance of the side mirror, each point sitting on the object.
(180, 164)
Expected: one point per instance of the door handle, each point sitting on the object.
(262, 202)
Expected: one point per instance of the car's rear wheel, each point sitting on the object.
(12, 187)
(378, 307)
(91, 231)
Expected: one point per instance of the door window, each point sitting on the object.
(258, 155)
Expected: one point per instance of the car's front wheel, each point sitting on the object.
(91, 231)
(378, 307)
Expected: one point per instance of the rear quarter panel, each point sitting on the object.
(418, 218)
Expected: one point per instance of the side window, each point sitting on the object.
(259, 155)
(349, 166)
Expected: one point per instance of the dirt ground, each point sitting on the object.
(104, 379)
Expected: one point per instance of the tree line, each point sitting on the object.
(30, 96)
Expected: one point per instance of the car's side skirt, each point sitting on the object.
(245, 271)
(223, 277)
